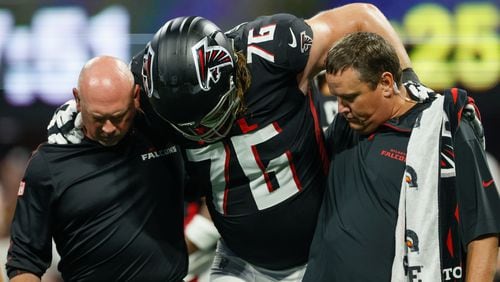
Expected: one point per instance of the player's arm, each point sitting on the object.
(331, 25)
(481, 259)
(201, 239)
(201, 233)
(25, 277)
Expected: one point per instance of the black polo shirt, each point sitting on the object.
(115, 213)
(354, 239)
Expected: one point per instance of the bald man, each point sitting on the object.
(107, 98)
(113, 203)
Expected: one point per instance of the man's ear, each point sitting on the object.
(137, 96)
(387, 83)
(77, 99)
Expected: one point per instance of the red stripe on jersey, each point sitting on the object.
(277, 127)
(459, 114)
(226, 177)
(244, 127)
(294, 172)
(262, 168)
(395, 128)
(318, 133)
(454, 95)
(449, 243)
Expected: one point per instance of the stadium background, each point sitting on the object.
(43, 45)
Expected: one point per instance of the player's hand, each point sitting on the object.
(418, 92)
(472, 114)
(65, 127)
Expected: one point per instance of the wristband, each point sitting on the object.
(409, 75)
(202, 232)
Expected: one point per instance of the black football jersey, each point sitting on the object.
(265, 180)
(115, 213)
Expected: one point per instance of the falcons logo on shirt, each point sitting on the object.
(208, 61)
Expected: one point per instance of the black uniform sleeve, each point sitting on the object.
(294, 40)
(31, 239)
(281, 40)
(302, 33)
(409, 74)
(478, 198)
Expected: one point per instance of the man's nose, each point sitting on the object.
(343, 109)
(108, 127)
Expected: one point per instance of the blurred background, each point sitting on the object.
(43, 45)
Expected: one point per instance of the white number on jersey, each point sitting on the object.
(259, 175)
(265, 34)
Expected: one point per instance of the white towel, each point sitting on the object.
(417, 244)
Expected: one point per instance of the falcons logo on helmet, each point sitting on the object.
(208, 61)
(147, 71)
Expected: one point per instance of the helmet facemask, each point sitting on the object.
(217, 123)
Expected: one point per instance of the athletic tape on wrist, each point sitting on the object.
(202, 232)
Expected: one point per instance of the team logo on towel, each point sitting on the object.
(411, 177)
(411, 240)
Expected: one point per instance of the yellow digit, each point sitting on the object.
(428, 28)
(477, 56)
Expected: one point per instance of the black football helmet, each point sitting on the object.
(188, 72)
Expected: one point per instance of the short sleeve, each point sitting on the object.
(478, 198)
(294, 40)
(31, 239)
(281, 42)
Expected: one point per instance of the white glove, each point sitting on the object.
(418, 92)
(65, 127)
(202, 232)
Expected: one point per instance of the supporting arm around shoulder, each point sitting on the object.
(331, 25)
(481, 258)
(25, 277)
